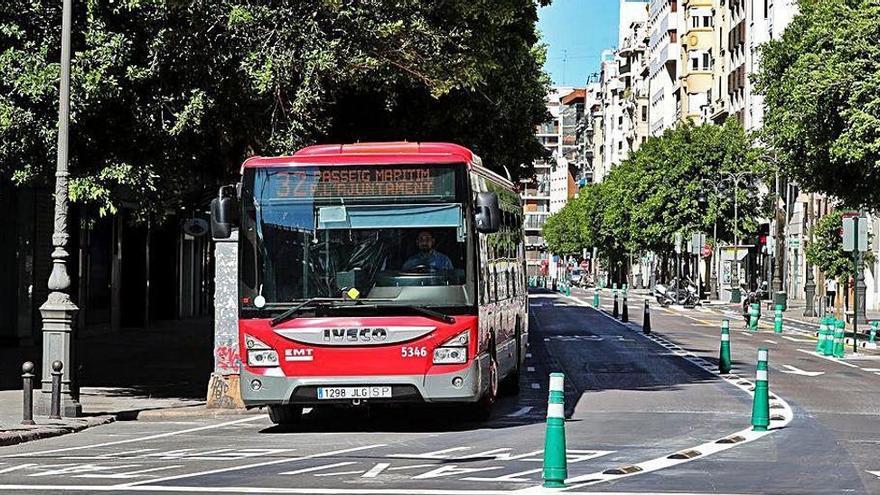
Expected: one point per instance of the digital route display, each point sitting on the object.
(358, 182)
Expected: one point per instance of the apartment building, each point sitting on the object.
(664, 59)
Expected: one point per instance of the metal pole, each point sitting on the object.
(27, 388)
(59, 311)
(55, 407)
(810, 285)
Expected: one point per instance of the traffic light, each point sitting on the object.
(763, 234)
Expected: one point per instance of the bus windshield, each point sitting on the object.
(395, 233)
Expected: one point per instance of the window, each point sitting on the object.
(700, 60)
(700, 18)
(644, 113)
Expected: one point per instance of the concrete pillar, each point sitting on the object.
(223, 391)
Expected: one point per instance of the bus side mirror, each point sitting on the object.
(223, 215)
(488, 213)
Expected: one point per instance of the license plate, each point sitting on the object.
(375, 392)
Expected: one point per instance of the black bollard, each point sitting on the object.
(55, 406)
(27, 387)
(614, 312)
(624, 314)
(646, 320)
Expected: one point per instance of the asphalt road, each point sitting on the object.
(631, 401)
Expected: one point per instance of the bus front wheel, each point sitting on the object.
(285, 414)
(482, 409)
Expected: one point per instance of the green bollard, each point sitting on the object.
(615, 312)
(823, 334)
(555, 463)
(567, 289)
(777, 319)
(753, 316)
(724, 355)
(596, 297)
(761, 402)
(839, 334)
(828, 345)
(873, 335)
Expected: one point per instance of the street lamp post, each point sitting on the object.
(59, 311)
(810, 285)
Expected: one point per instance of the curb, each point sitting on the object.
(14, 437)
(199, 411)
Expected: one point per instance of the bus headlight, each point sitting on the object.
(450, 355)
(454, 350)
(259, 354)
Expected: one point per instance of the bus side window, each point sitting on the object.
(494, 293)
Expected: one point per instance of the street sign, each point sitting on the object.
(698, 240)
(584, 264)
(850, 234)
(794, 242)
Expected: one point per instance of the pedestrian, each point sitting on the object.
(830, 291)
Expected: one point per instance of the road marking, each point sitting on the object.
(451, 470)
(16, 468)
(256, 464)
(536, 386)
(793, 339)
(528, 355)
(437, 454)
(770, 341)
(833, 360)
(871, 369)
(520, 412)
(342, 473)
(530, 369)
(875, 473)
(139, 439)
(126, 475)
(318, 468)
(376, 470)
(413, 466)
(798, 371)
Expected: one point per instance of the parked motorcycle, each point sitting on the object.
(753, 296)
(684, 293)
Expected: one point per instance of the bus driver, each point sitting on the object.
(427, 258)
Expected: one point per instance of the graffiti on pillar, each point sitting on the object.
(226, 358)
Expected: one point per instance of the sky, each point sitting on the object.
(576, 32)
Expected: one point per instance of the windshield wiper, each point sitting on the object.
(430, 313)
(291, 312)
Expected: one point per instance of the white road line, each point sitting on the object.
(827, 358)
(139, 439)
(520, 412)
(770, 341)
(248, 466)
(318, 468)
(528, 355)
(306, 491)
(786, 337)
(536, 386)
(16, 468)
(530, 369)
(413, 466)
(871, 369)
(798, 371)
(376, 470)
(341, 473)
(127, 474)
(437, 454)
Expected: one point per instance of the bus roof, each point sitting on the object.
(402, 152)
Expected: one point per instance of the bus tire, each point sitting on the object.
(510, 384)
(285, 414)
(482, 409)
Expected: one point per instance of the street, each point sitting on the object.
(631, 401)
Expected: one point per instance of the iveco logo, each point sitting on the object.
(355, 334)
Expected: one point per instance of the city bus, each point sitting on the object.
(376, 273)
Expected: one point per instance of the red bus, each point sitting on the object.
(376, 273)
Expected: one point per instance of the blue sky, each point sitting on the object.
(576, 32)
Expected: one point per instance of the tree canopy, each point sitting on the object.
(821, 86)
(648, 198)
(825, 250)
(168, 96)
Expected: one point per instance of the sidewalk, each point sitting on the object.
(156, 373)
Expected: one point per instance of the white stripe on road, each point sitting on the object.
(375, 470)
(254, 465)
(530, 369)
(536, 386)
(807, 341)
(139, 439)
(833, 360)
(318, 468)
(305, 491)
(520, 412)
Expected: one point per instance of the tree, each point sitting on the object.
(822, 95)
(826, 252)
(169, 96)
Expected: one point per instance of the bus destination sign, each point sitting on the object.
(353, 182)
